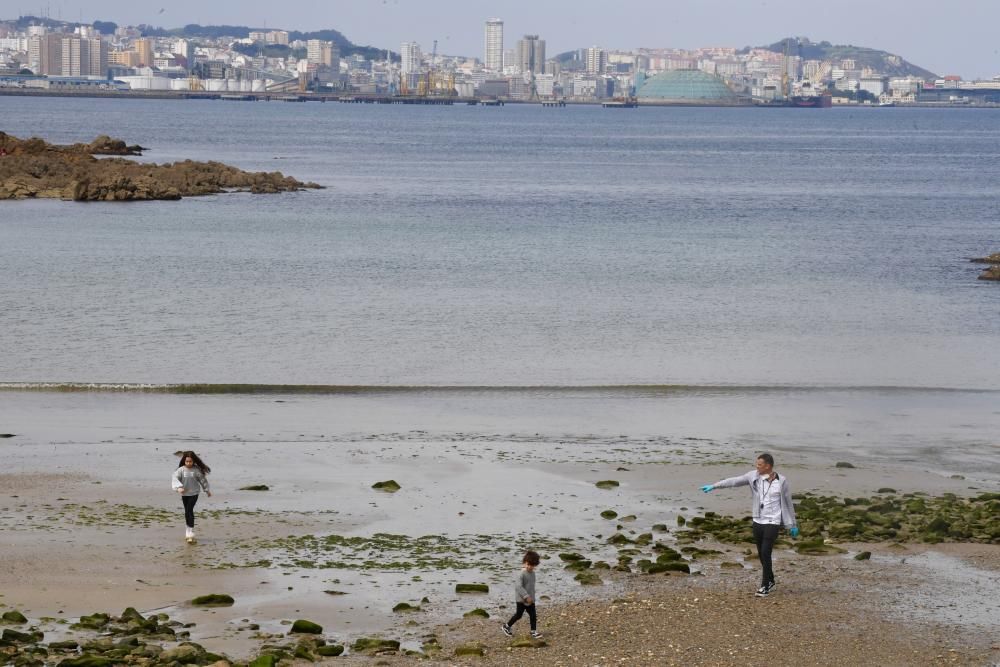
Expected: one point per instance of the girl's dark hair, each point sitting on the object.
(197, 462)
(766, 458)
(531, 558)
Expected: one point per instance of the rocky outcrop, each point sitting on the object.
(33, 168)
(991, 272)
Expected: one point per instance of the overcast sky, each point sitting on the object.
(955, 37)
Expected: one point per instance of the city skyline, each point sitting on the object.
(956, 42)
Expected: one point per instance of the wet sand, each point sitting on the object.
(91, 525)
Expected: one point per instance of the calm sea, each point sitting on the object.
(517, 246)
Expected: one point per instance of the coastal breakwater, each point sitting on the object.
(34, 168)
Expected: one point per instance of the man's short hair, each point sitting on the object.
(766, 458)
(531, 558)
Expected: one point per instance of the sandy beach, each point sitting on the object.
(90, 525)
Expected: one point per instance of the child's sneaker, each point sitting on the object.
(506, 630)
(535, 634)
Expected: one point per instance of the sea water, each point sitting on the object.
(783, 278)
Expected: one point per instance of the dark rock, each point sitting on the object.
(92, 622)
(607, 484)
(303, 626)
(330, 651)
(476, 613)
(34, 168)
(474, 648)
(213, 600)
(14, 617)
(255, 487)
(15, 637)
(844, 464)
(864, 555)
(86, 660)
(131, 614)
(266, 660)
(991, 273)
(472, 588)
(389, 486)
(405, 607)
(374, 645)
(989, 259)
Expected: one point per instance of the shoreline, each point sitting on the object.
(355, 98)
(92, 527)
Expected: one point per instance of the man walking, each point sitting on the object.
(772, 508)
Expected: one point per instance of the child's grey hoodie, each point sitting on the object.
(192, 480)
(524, 586)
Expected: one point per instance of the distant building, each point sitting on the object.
(127, 59)
(257, 36)
(144, 51)
(45, 53)
(320, 52)
(531, 54)
(876, 85)
(84, 57)
(597, 60)
(279, 37)
(493, 56)
(410, 54)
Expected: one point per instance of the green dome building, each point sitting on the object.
(687, 86)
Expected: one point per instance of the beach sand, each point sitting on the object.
(91, 525)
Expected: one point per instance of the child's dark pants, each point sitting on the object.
(521, 608)
(189, 502)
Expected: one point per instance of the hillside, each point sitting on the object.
(882, 62)
(195, 31)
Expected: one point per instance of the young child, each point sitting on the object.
(189, 479)
(524, 595)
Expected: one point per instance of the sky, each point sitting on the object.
(955, 37)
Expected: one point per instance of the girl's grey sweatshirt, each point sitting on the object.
(192, 480)
(524, 586)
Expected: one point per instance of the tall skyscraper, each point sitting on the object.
(494, 45)
(410, 54)
(597, 60)
(531, 54)
(84, 57)
(144, 48)
(45, 53)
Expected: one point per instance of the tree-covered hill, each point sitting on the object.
(882, 62)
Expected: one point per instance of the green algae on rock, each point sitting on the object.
(472, 588)
(255, 487)
(213, 600)
(473, 648)
(374, 645)
(607, 484)
(388, 486)
(404, 607)
(15, 617)
(476, 613)
(302, 626)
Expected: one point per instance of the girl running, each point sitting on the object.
(189, 479)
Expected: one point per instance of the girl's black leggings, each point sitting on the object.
(521, 608)
(189, 502)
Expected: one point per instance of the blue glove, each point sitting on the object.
(794, 532)
(707, 488)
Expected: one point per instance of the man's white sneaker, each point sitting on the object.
(536, 635)
(506, 630)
